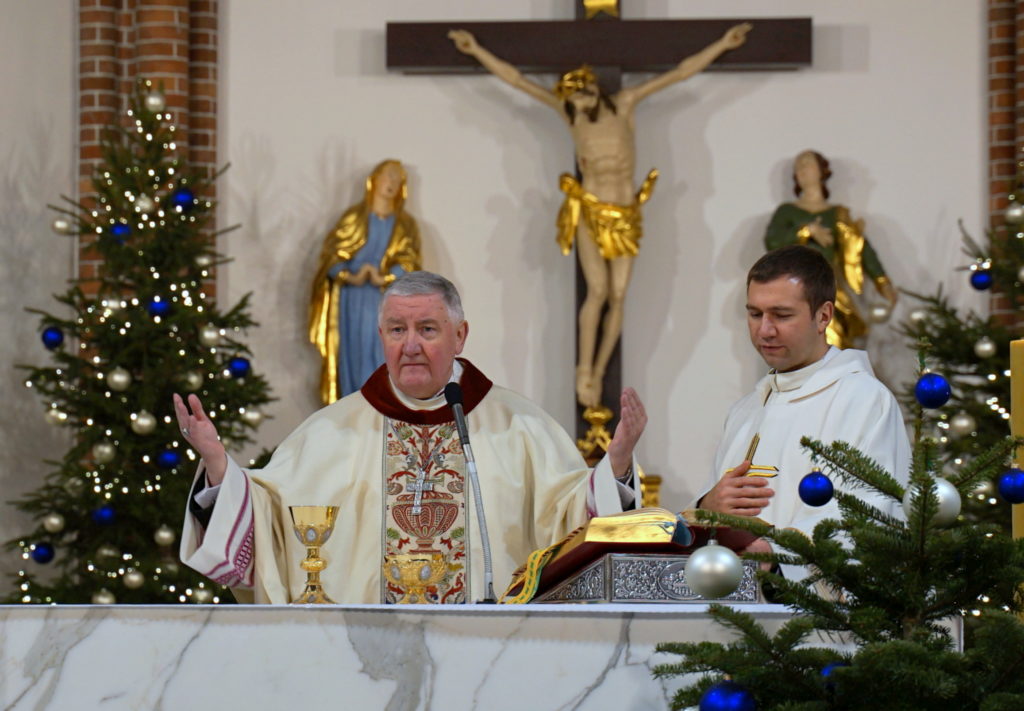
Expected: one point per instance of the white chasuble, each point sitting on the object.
(837, 398)
(371, 453)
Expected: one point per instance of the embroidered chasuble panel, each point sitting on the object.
(425, 526)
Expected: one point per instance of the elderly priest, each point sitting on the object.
(390, 457)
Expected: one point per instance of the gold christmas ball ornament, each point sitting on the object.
(144, 204)
(1014, 213)
(962, 424)
(164, 536)
(252, 417)
(880, 312)
(119, 380)
(107, 552)
(192, 381)
(133, 579)
(104, 452)
(103, 597)
(209, 336)
(143, 423)
(61, 226)
(53, 522)
(202, 596)
(155, 101)
(55, 416)
(985, 347)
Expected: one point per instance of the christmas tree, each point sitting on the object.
(142, 328)
(884, 588)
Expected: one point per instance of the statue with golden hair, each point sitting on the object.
(374, 242)
(812, 220)
(603, 208)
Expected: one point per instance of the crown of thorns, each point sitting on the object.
(573, 81)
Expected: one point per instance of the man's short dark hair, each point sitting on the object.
(804, 263)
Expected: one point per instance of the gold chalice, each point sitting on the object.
(415, 572)
(313, 525)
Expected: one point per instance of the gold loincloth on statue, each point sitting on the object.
(615, 228)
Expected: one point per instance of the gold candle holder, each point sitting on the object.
(313, 525)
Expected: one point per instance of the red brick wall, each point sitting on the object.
(170, 42)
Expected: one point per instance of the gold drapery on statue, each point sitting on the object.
(616, 229)
(341, 244)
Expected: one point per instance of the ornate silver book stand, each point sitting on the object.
(638, 578)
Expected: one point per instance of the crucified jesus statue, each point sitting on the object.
(603, 208)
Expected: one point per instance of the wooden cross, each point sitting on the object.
(598, 37)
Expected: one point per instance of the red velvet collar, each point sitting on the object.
(377, 391)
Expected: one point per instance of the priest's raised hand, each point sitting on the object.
(199, 431)
(632, 420)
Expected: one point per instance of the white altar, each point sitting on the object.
(346, 656)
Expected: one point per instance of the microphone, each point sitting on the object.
(453, 396)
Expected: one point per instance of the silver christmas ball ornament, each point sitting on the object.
(949, 502)
(209, 336)
(75, 486)
(55, 416)
(192, 381)
(170, 568)
(53, 522)
(1014, 213)
(103, 597)
(164, 536)
(133, 579)
(880, 312)
(202, 596)
(104, 452)
(918, 315)
(962, 424)
(1020, 275)
(986, 489)
(144, 204)
(107, 551)
(713, 571)
(252, 417)
(155, 101)
(143, 423)
(204, 260)
(985, 347)
(119, 380)
(61, 225)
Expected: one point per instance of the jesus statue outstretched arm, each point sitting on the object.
(466, 43)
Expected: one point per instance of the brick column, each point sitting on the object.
(173, 43)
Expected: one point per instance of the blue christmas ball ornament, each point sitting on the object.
(727, 696)
(168, 459)
(183, 198)
(42, 552)
(239, 366)
(1011, 486)
(828, 669)
(52, 337)
(158, 307)
(932, 390)
(104, 515)
(120, 232)
(981, 279)
(816, 489)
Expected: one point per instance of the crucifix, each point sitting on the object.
(601, 203)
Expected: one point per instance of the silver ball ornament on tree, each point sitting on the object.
(143, 423)
(55, 416)
(104, 452)
(713, 571)
(119, 380)
(252, 417)
(204, 260)
(880, 312)
(202, 596)
(209, 336)
(53, 522)
(918, 315)
(985, 347)
(949, 502)
(986, 489)
(75, 486)
(62, 226)
(962, 424)
(155, 101)
(133, 579)
(103, 597)
(164, 536)
(107, 552)
(144, 204)
(1014, 214)
(192, 381)
(170, 568)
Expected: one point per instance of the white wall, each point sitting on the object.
(895, 98)
(36, 159)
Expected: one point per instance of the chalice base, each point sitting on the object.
(313, 595)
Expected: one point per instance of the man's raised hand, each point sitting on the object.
(738, 494)
(199, 431)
